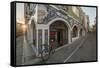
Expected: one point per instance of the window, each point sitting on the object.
(40, 37)
(46, 36)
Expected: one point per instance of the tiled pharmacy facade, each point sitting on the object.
(49, 23)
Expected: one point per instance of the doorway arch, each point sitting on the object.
(74, 31)
(81, 30)
(31, 38)
(59, 31)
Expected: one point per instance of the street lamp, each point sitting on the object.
(24, 27)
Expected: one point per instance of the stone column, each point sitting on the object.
(48, 36)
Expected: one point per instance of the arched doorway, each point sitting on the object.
(74, 32)
(31, 38)
(81, 32)
(58, 33)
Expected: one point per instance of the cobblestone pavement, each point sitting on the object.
(83, 49)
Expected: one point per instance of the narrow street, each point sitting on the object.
(70, 30)
(87, 51)
(83, 49)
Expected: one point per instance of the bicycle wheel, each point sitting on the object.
(52, 50)
(44, 54)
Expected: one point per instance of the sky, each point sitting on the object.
(91, 12)
(20, 12)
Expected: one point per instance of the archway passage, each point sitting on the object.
(81, 32)
(74, 32)
(31, 33)
(58, 33)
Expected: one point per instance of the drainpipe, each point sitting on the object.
(37, 53)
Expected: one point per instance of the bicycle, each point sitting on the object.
(52, 49)
(46, 51)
